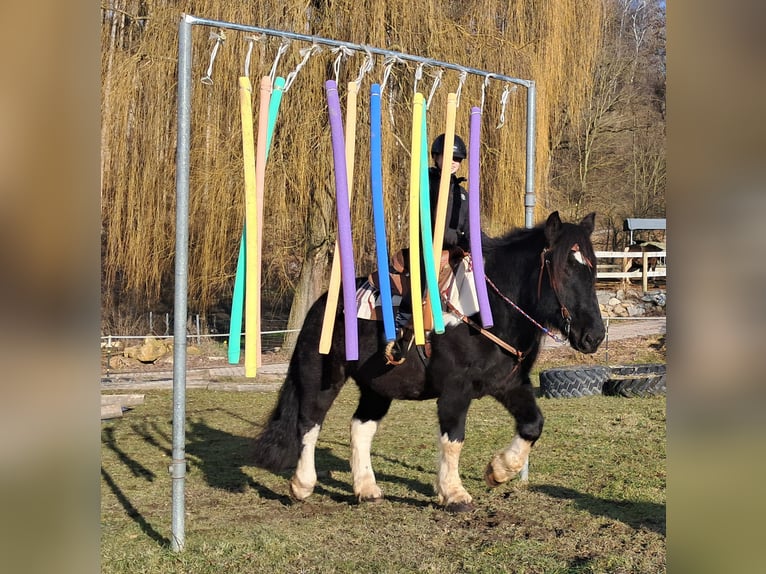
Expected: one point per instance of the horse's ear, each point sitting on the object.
(589, 222)
(552, 227)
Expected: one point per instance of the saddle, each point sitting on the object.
(455, 284)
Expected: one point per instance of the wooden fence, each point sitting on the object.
(615, 265)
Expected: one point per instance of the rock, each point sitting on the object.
(614, 301)
(151, 350)
(118, 362)
(635, 310)
(130, 352)
(603, 297)
(620, 310)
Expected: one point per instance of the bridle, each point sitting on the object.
(545, 264)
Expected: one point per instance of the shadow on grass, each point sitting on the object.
(132, 512)
(637, 515)
(424, 488)
(135, 467)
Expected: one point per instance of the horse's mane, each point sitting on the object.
(511, 237)
(570, 234)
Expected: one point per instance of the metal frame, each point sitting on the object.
(178, 464)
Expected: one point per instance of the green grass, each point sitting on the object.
(595, 501)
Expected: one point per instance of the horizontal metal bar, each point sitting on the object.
(352, 46)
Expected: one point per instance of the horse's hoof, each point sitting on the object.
(458, 507)
(371, 499)
(489, 477)
(294, 495)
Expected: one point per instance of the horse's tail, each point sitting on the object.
(278, 447)
(302, 401)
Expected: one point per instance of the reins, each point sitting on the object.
(520, 310)
(544, 264)
(491, 336)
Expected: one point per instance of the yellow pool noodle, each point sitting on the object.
(415, 284)
(254, 236)
(441, 204)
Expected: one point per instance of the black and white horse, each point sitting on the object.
(549, 271)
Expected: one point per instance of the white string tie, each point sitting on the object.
(342, 51)
(418, 75)
(437, 81)
(220, 38)
(250, 41)
(282, 49)
(484, 89)
(306, 54)
(461, 81)
(367, 65)
(503, 103)
(388, 62)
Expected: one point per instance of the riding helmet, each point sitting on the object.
(458, 148)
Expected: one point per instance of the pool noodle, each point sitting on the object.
(376, 186)
(238, 295)
(348, 278)
(474, 220)
(415, 284)
(434, 310)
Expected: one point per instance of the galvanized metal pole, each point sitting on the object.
(529, 196)
(178, 464)
(356, 47)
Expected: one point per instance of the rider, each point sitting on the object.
(456, 228)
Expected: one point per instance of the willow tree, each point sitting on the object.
(553, 43)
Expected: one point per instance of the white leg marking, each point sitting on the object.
(305, 477)
(362, 434)
(449, 487)
(505, 464)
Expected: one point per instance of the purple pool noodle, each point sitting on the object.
(473, 217)
(347, 273)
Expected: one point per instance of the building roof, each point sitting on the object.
(635, 223)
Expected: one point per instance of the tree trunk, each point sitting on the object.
(313, 278)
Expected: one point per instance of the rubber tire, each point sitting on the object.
(643, 370)
(573, 382)
(636, 381)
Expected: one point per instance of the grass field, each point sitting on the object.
(595, 501)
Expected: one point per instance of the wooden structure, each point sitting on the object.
(632, 224)
(112, 406)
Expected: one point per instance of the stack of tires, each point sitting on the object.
(621, 381)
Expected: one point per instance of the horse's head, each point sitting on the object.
(569, 267)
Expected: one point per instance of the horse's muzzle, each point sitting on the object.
(588, 340)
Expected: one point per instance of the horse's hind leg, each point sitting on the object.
(305, 478)
(321, 387)
(364, 424)
(521, 403)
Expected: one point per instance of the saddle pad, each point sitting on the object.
(456, 284)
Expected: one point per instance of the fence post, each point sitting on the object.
(644, 271)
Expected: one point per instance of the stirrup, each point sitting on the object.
(393, 353)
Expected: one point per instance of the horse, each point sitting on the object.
(637, 263)
(548, 271)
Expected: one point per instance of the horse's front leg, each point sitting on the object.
(520, 402)
(364, 424)
(449, 487)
